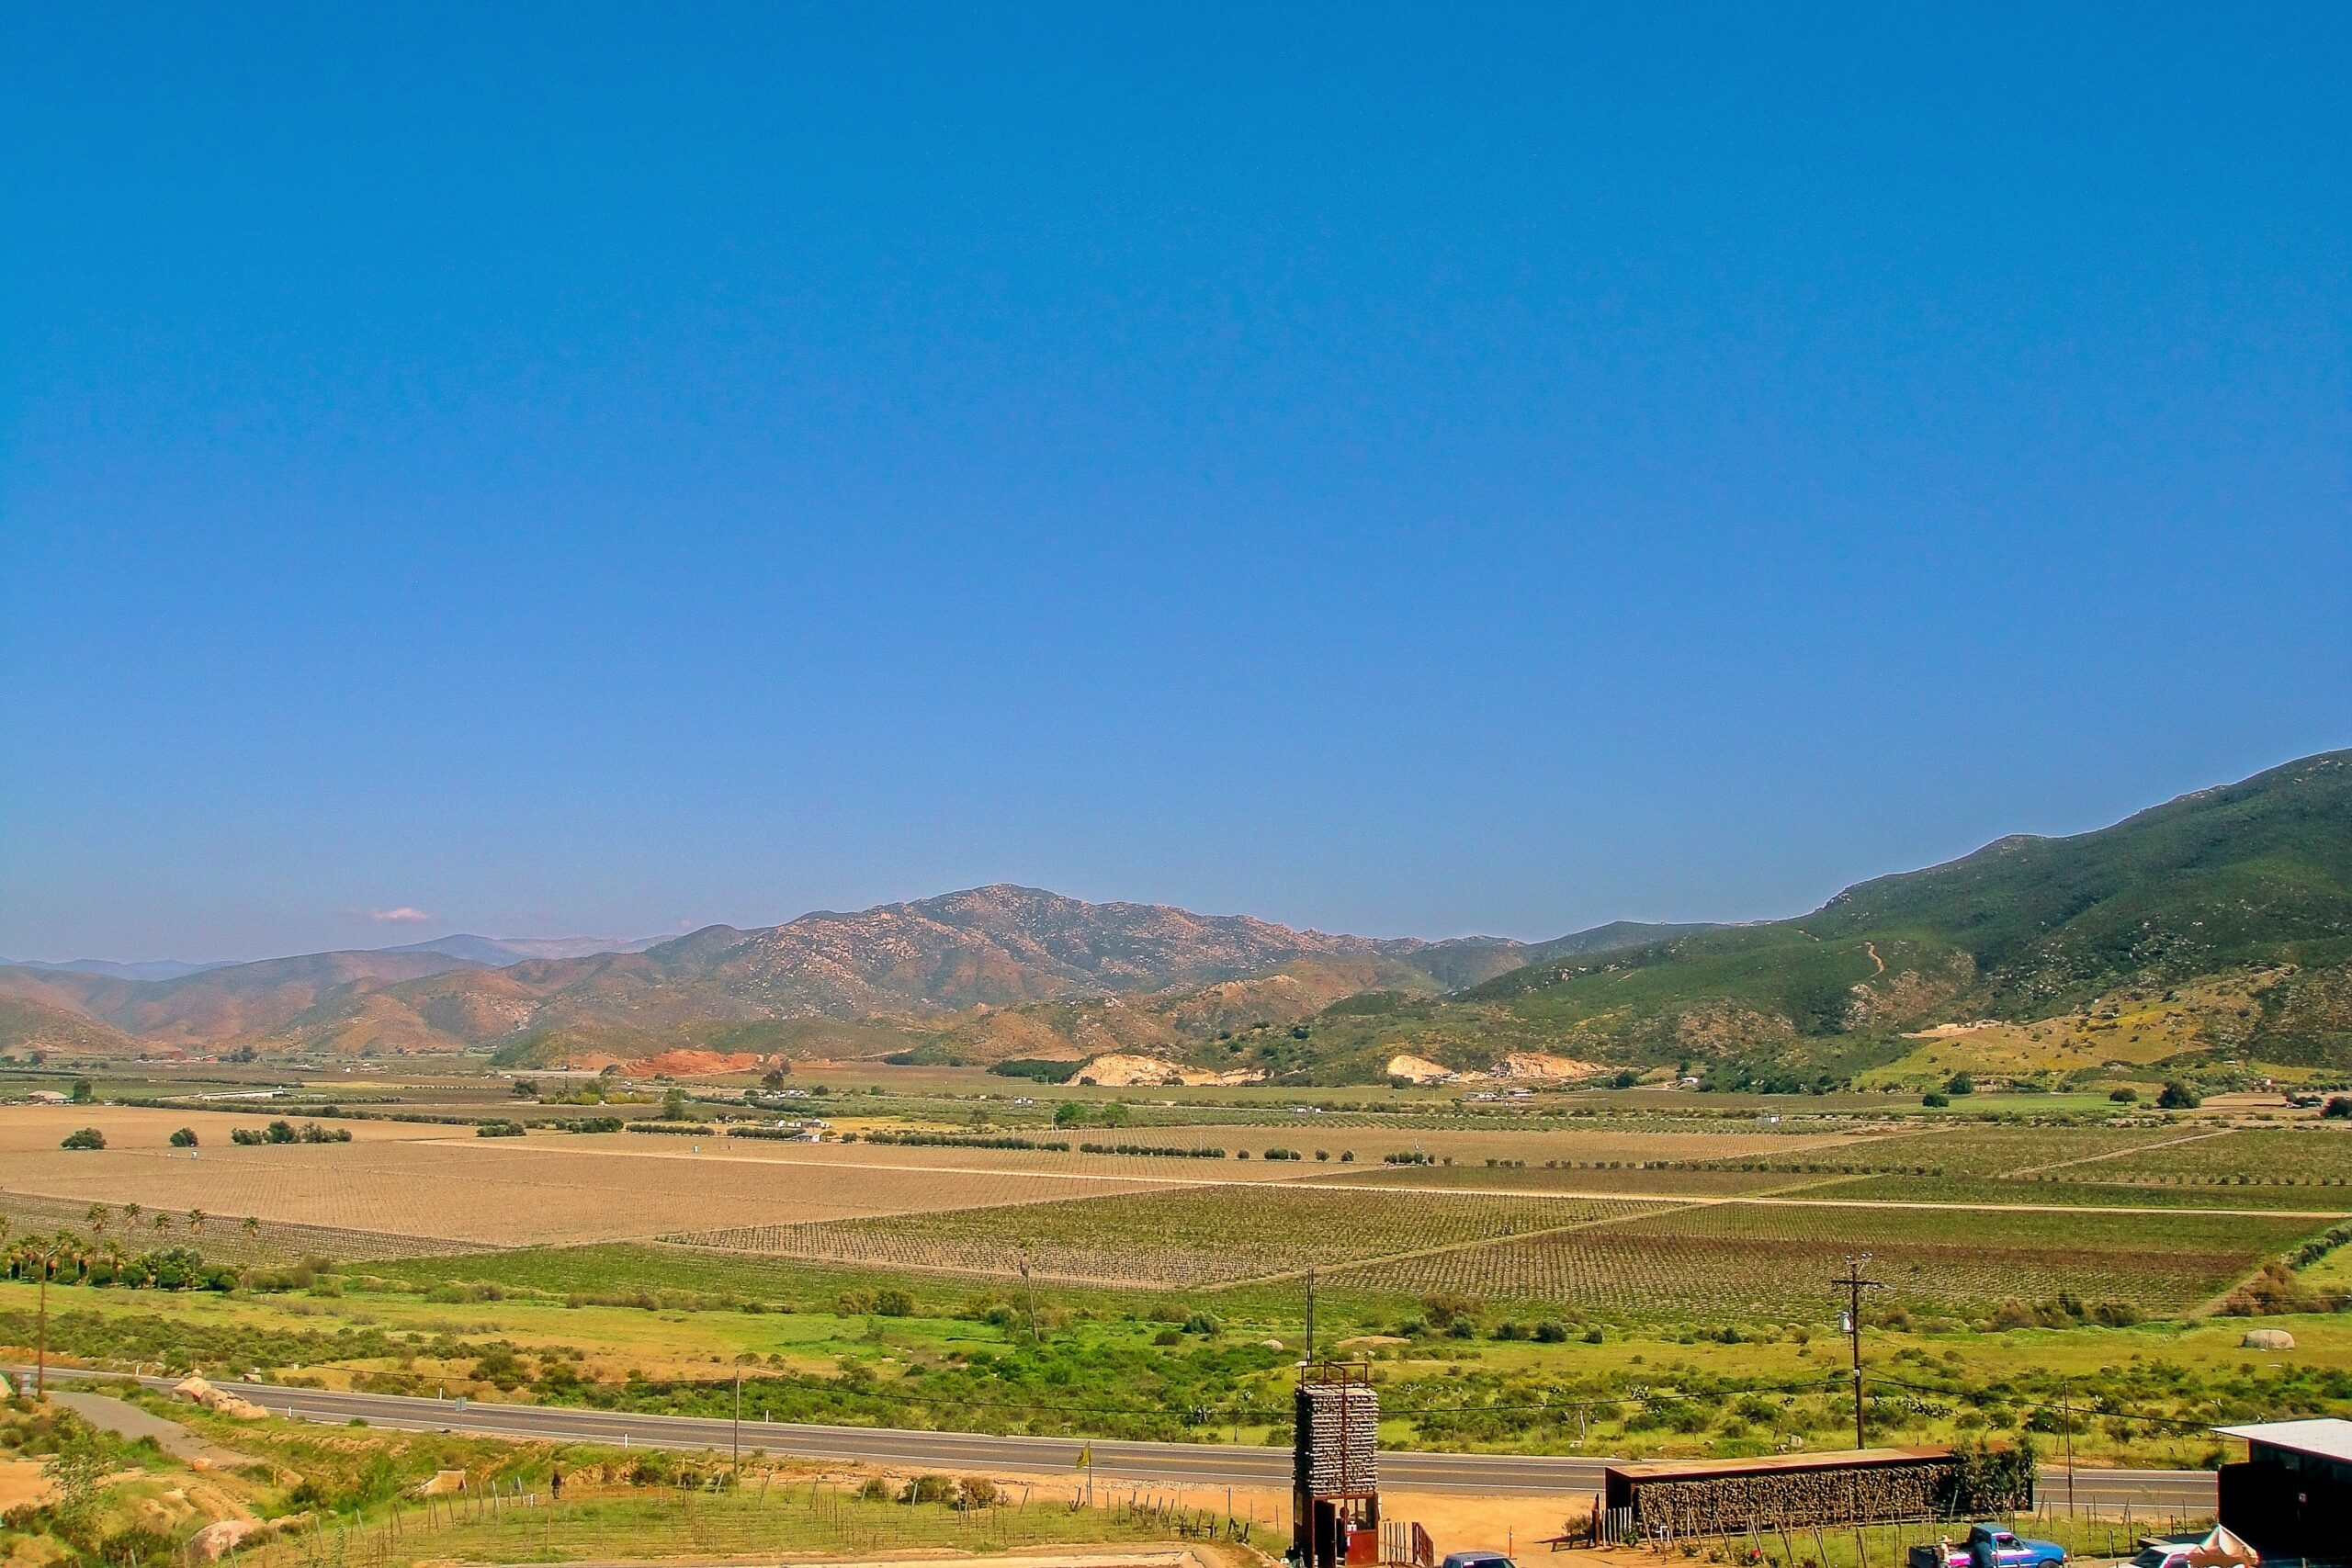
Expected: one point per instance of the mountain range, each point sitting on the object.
(2216, 927)
(930, 965)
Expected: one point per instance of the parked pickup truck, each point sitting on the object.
(1988, 1546)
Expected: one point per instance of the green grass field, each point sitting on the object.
(763, 1519)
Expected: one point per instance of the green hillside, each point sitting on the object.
(2216, 928)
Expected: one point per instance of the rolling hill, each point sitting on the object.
(2215, 926)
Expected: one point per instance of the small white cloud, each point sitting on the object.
(403, 916)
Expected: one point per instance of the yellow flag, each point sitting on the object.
(1086, 1457)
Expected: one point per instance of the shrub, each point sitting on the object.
(499, 1129)
(2178, 1096)
(2338, 1107)
(1444, 1310)
(1961, 1083)
(84, 1138)
(875, 1490)
(499, 1365)
(1934, 1099)
(929, 1489)
(137, 1544)
(894, 1303)
(184, 1138)
(2127, 1095)
(976, 1492)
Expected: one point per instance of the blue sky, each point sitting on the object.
(1401, 469)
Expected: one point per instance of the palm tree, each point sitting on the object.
(98, 1216)
(130, 1212)
(195, 1222)
(252, 1226)
(162, 1220)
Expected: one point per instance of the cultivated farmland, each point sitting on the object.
(1184, 1237)
(1737, 1260)
(489, 1191)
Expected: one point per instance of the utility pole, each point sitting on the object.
(1030, 1285)
(1853, 1284)
(1310, 1315)
(40, 1346)
(48, 1254)
(2066, 1425)
(737, 1444)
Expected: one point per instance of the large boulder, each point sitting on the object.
(218, 1400)
(219, 1538)
(2268, 1340)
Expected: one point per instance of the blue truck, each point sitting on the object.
(1989, 1546)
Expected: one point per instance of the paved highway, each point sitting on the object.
(1190, 1464)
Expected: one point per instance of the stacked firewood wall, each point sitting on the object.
(1339, 1440)
(1709, 1505)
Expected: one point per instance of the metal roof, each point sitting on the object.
(2328, 1438)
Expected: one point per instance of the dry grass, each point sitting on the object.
(508, 1192)
(223, 1238)
(31, 1129)
(1643, 1183)
(1152, 1168)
